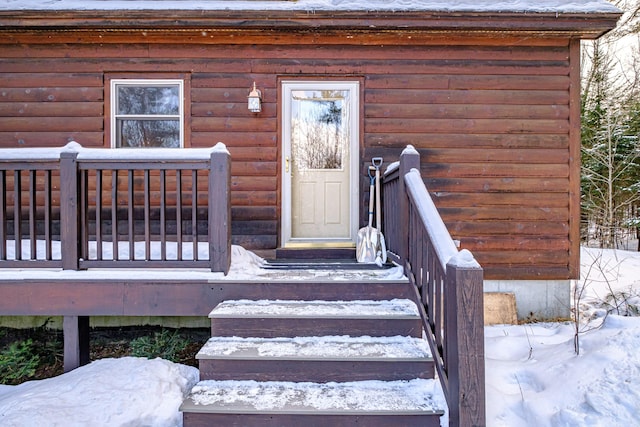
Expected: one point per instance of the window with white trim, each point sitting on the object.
(147, 113)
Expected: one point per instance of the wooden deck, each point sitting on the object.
(77, 283)
(166, 292)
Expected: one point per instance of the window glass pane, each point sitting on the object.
(319, 128)
(146, 100)
(148, 133)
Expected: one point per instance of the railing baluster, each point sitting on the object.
(114, 214)
(17, 214)
(99, 195)
(179, 214)
(3, 215)
(48, 238)
(163, 207)
(437, 313)
(84, 214)
(130, 217)
(32, 216)
(147, 216)
(194, 213)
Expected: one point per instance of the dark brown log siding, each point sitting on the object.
(491, 119)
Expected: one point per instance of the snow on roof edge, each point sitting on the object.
(500, 6)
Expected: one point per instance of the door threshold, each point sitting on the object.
(319, 264)
(316, 253)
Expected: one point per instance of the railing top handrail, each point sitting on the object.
(174, 155)
(39, 154)
(391, 168)
(442, 242)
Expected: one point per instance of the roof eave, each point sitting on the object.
(580, 25)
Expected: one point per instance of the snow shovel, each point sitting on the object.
(367, 236)
(381, 246)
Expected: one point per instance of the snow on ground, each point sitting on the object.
(534, 377)
(110, 392)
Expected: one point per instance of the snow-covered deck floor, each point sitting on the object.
(245, 266)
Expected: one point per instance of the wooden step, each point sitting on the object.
(276, 318)
(316, 359)
(305, 286)
(265, 404)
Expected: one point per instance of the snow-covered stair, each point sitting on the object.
(315, 363)
(277, 318)
(320, 359)
(368, 403)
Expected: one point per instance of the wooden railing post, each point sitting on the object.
(69, 219)
(464, 353)
(409, 159)
(220, 209)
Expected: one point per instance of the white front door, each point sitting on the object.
(320, 163)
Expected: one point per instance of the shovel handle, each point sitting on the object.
(371, 195)
(377, 162)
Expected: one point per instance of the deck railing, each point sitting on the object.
(448, 285)
(76, 208)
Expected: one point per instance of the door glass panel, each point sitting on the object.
(319, 129)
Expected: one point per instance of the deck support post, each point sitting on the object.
(220, 209)
(69, 219)
(76, 341)
(409, 159)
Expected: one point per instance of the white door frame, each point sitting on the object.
(354, 160)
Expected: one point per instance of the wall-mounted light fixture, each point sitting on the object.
(254, 100)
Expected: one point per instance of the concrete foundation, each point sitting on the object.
(55, 322)
(536, 299)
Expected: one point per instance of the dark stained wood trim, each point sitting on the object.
(312, 370)
(69, 214)
(464, 354)
(332, 22)
(220, 211)
(574, 160)
(91, 39)
(187, 297)
(310, 419)
(300, 327)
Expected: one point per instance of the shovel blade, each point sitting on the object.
(368, 245)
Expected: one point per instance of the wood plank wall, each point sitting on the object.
(490, 118)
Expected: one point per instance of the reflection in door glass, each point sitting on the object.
(319, 128)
